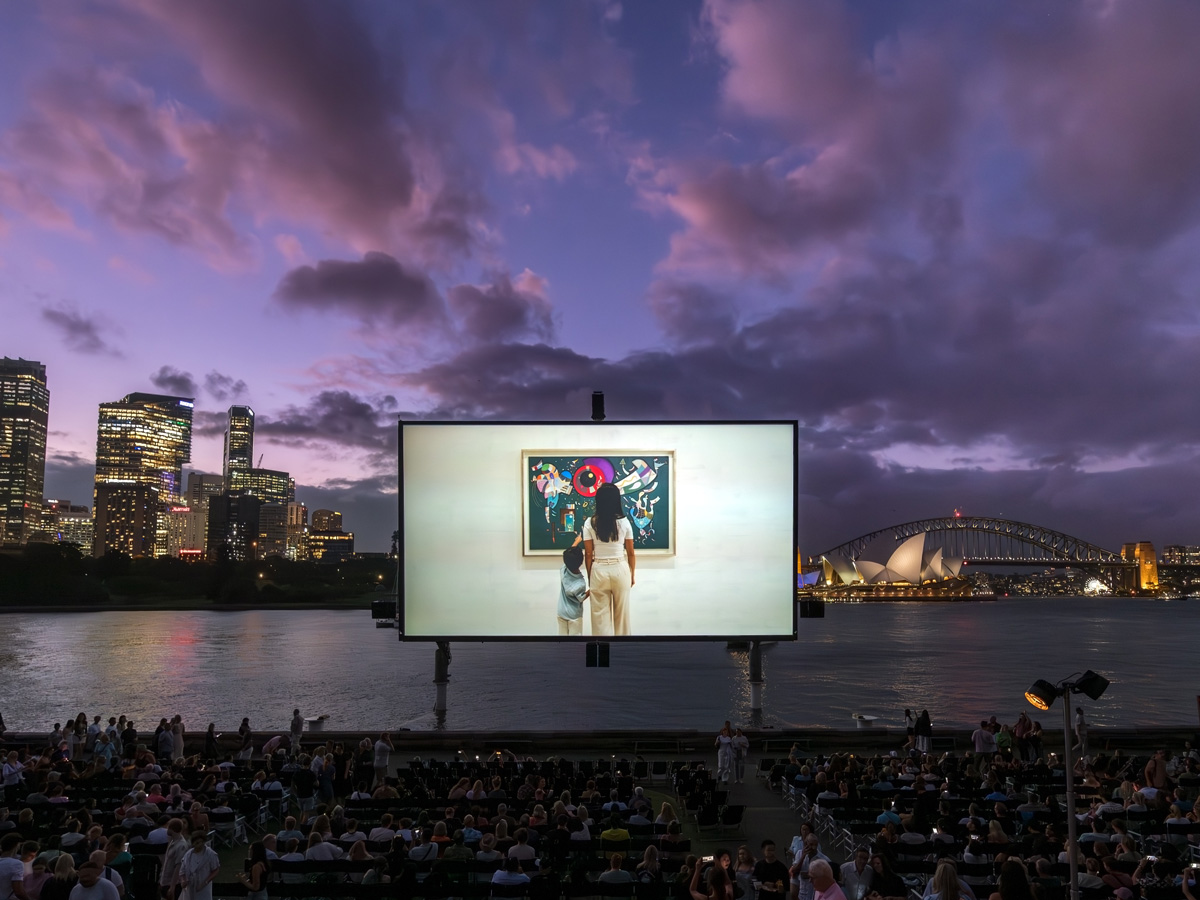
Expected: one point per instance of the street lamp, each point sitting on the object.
(1042, 695)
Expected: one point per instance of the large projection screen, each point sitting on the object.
(486, 510)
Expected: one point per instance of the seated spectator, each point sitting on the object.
(615, 874)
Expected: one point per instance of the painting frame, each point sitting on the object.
(530, 457)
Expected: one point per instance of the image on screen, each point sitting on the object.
(562, 496)
(586, 531)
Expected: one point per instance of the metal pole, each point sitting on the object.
(1072, 823)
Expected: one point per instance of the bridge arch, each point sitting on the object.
(982, 540)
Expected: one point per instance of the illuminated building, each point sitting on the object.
(233, 526)
(297, 531)
(1181, 555)
(68, 524)
(200, 488)
(1145, 576)
(187, 531)
(239, 448)
(330, 546)
(326, 520)
(24, 412)
(272, 530)
(269, 486)
(142, 442)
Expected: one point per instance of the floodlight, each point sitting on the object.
(1092, 684)
(1042, 694)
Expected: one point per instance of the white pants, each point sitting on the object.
(570, 626)
(610, 583)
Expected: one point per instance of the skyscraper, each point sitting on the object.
(239, 447)
(24, 413)
(142, 442)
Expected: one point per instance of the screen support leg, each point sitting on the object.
(756, 683)
(441, 674)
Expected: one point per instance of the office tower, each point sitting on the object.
(142, 442)
(272, 530)
(24, 413)
(1181, 555)
(269, 486)
(201, 487)
(68, 523)
(297, 531)
(330, 546)
(326, 520)
(239, 447)
(233, 526)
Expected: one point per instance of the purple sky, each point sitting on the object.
(957, 241)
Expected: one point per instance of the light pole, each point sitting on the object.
(1042, 695)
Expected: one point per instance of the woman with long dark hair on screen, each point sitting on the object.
(608, 553)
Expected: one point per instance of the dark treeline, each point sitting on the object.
(63, 574)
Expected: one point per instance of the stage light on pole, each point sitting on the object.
(1042, 695)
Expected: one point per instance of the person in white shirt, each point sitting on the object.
(91, 886)
(321, 850)
(12, 870)
(611, 562)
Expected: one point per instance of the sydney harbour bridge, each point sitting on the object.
(935, 550)
(986, 541)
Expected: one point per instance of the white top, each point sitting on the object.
(609, 549)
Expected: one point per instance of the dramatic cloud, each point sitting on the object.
(502, 310)
(223, 387)
(1104, 99)
(335, 417)
(313, 129)
(378, 288)
(175, 382)
(79, 331)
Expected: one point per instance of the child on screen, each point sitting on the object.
(572, 591)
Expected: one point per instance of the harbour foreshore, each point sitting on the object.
(651, 743)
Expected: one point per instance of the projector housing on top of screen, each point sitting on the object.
(487, 508)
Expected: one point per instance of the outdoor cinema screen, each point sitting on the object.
(589, 531)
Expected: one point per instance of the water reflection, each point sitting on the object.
(961, 661)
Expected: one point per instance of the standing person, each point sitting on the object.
(824, 885)
(246, 734)
(210, 742)
(297, 730)
(741, 749)
(177, 736)
(572, 591)
(383, 753)
(12, 870)
(724, 745)
(1080, 732)
(255, 879)
(910, 729)
(177, 848)
(611, 562)
(923, 731)
(199, 867)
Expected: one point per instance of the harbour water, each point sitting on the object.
(962, 661)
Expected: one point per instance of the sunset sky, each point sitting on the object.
(956, 241)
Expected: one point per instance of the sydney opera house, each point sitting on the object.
(886, 570)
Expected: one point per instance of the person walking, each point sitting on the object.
(611, 562)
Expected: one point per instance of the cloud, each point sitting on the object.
(376, 289)
(866, 127)
(691, 312)
(1103, 99)
(79, 331)
(336, 417)
(300, 119)
(223, 387)
(504, 309)
(174, 381)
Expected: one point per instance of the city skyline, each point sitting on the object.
(958, 245)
